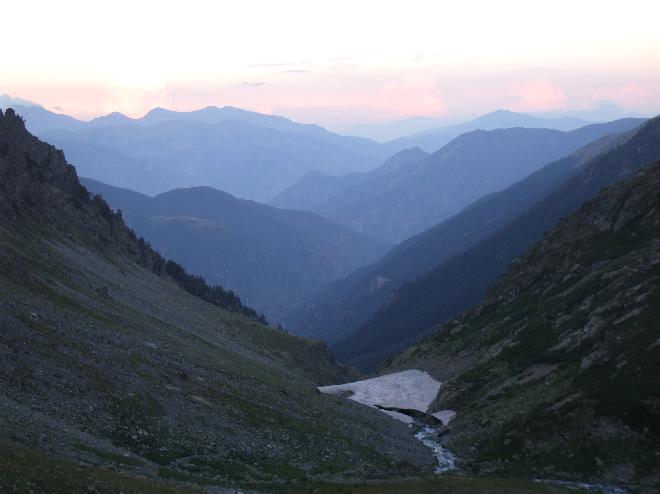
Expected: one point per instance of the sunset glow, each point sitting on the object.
(332, 63)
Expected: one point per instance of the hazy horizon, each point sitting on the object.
(314, 63)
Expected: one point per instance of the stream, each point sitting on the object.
(429, 438)
(407, 396)
(601, 488)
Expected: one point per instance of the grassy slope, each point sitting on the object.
(555, 373)
(106, 360)
(57, 476)
(102, 359)
(115, 380)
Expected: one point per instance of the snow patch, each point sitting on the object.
(444, 416)
(406, 419)
(412, 389)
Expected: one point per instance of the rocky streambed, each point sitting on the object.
(429, 437)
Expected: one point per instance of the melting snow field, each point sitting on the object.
(411, 389)
(408, 389)
(444, 416)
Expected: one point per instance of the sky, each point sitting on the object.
(337, 63)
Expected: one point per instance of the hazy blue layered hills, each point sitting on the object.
(390, 131)
(433, 139)
(431, 133)
(462, 280)
(272, 258)
(346, 304)
(410, 198)
(40, 120)
(246, 153)
(316, 189)
(302, 194)
(7, 101)
(554, 372)
(249, 161)
(114, 377)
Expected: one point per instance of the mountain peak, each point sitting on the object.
(38, 185)
(12, 128)
(7, 101)
(502, 111)
(113, 118)
(157, 110)
(9, 113)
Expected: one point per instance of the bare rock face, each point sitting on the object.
(36, 183)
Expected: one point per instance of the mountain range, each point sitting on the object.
(345, 305)
(248, 154)
(395, 203)
(315, 189)
(433, 139)
(272, 258)
(432, 133)
(462, 280)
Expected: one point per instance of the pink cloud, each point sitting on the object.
(323, 98)
(539, 95)
(89, 100)
(412, 95)
(633, 94)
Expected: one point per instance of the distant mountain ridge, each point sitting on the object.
(249, 161)
(272, 258)
(249, 154)
(406, 201)
(279, 161)
(463, 279)
(348, 303)
(433, 139)
(316, 189)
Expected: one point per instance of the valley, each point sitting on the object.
(197, 297)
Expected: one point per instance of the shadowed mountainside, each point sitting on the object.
(345, 305)
(106, 362)
(553, 373)
(463, 280)
(315, 189)
(272, 258)
(413, 197)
